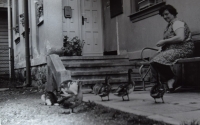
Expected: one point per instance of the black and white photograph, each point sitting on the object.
(99, 62)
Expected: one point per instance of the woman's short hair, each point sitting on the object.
(170, 8)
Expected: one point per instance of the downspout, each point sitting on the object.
(10, 41)
(26, 20)
(117, 33)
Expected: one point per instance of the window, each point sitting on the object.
(142, 9)
(116, 7)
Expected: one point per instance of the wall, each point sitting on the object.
(135, 36)
(121, 22)
(53, 22)
(46, 35)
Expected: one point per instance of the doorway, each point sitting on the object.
(86, 23)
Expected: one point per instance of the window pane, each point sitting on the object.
(116, 7)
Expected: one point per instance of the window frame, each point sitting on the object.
(138, 15)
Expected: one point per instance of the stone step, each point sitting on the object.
(86, 73)
(87, 65)
(94, 81)
(100, 59)
(66, 58)
(91, 70)
(105, 72)
(100, 76)
(100, 68)
(97, 61)
(112, 81)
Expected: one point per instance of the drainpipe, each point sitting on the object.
(26, 20)
(10, 41)
(117, 32)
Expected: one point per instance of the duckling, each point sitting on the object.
(127, 88)
(103, 89)
(72, 96)
(157, 91)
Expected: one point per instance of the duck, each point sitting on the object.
(157, 91)
(103, 89)
(72, 95)
(126, 88)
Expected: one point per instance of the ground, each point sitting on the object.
(23, 106)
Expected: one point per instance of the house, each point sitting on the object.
(117, 27)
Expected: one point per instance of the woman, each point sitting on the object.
(177, 43)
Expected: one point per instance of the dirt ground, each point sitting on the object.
(24, 107)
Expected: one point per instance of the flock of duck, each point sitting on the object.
(71, 94)
(104, 89)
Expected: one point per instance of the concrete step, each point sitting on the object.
(86, 73)
(66, 58)
(100, 76)
(113, 68)
(87, 65)
(94, 69)
(101, 59)
(112, 81)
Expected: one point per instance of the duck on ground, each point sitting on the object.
(103, 89)
(72, 95)
(126, 88)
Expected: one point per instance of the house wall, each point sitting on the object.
(44, 35)
(121, 22)
(53, 22)
(135, 36)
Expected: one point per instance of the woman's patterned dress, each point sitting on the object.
(171, 52)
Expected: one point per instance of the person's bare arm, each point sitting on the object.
(176, 39)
